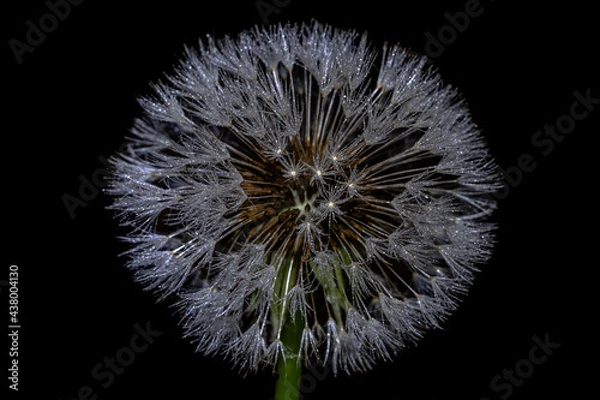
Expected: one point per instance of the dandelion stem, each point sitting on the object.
(289, 367)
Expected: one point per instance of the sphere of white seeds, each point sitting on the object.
(293, 174)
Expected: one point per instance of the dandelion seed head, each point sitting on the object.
(294, 173)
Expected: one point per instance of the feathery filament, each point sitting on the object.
(291, 173)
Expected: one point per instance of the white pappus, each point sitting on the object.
(293, 174)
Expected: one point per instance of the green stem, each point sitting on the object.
(289, 369)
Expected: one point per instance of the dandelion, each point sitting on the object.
(305, 198)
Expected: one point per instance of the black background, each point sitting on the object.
(72, 100)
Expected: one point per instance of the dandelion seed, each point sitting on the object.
(293, 175)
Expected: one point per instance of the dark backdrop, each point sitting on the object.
(70, 98)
